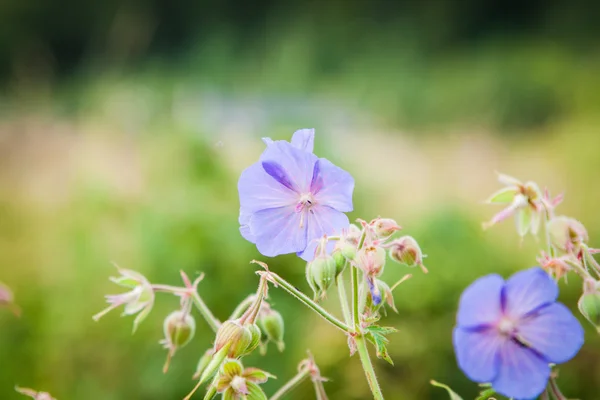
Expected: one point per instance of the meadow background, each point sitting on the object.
(124, 126)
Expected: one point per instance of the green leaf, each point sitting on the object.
(376, 335)
(453, 395)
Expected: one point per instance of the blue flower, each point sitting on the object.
(508, 332)
(290, 198)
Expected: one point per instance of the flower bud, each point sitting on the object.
(271, 323)
(320, 274)
(371, 259)
(589, 305)
(256, 334)
(340, 261)
(384, 227)
(406, 250)
(566, 234)
(234, 335)
(179, 328)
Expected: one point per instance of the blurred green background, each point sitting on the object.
(124, 126)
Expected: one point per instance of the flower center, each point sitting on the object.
(304, 205)
(506, 327)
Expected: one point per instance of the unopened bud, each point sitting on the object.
(340, 261)
(371, 259)
(589, 305)
(566, 234)
(271, 323)
(179, 328)
(406, 250)
(384, 227)
(320, 274)
(237, 337)
(256, 334)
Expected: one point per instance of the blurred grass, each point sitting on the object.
(140, 167)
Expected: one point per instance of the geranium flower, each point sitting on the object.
(290, 198)
(509, 332)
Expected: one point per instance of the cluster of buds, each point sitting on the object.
(567, 238)
(367, 248)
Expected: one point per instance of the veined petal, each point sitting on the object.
(477, 352)
(522, 374)
(528, 290)
(245, 230)
(553, 332)
(322, 220)
(298, 164)
(332, 186)
(278, 231)
(304, 139)
(277, 172)
(258, 191)
(481, 304)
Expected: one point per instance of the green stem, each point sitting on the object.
(363, 353)
(291, 384)
(551, 250)
(212, 321)
(343, 297)
(304, 299)
(355, 300)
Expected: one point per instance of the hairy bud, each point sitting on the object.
(406, 250)
(371, 259)
(567, 234)
(236, 336)
(179, 328)
(320, 274)
(589, 304)
(384, 227)
(340, 261)
(271, 323)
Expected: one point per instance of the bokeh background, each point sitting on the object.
(124, 126)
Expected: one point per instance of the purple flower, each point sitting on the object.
(290, 198)
(508, 332)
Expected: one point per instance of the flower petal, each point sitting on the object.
(304, 139)
(258, 191)
(480, 304)
(297, 163)
(245, 230)
(322, 220)
(332, 186)
(553, 332)
(522, 374)
(528, 290)
(278, 231)
(277, 172)
(477, 352)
